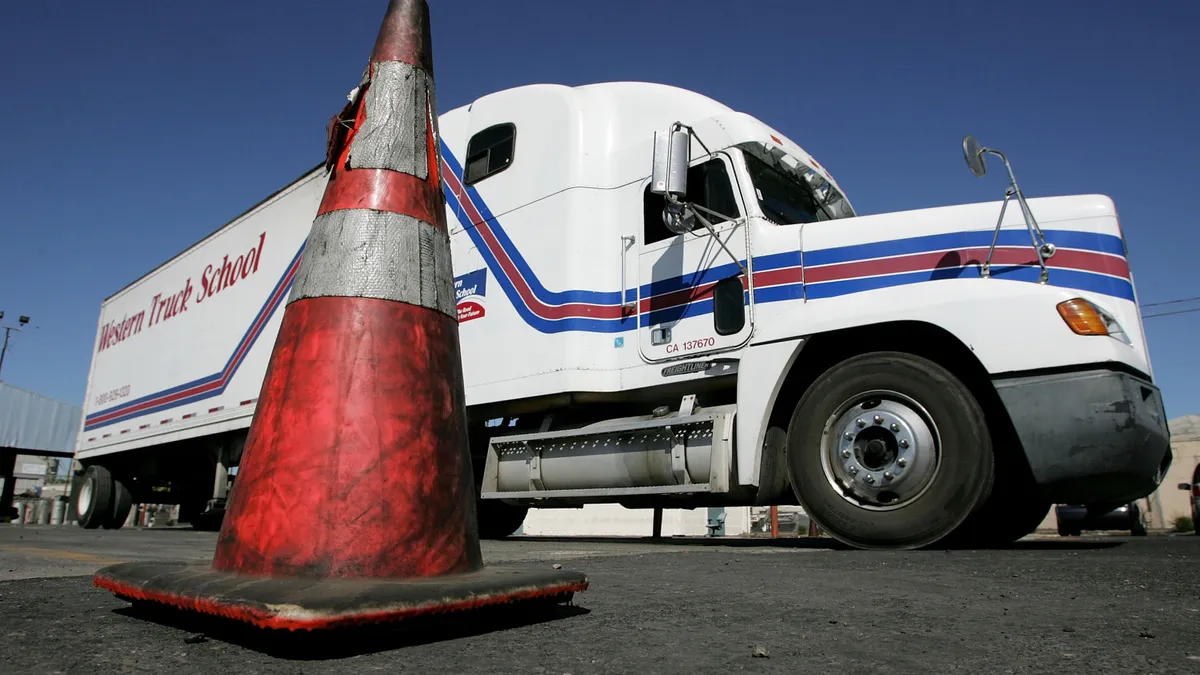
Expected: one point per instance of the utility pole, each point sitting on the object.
(21, 320)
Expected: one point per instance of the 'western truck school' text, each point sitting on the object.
(213, 280)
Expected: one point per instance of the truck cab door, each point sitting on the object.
(692, 297)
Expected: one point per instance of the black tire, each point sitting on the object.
(208, 522)
(1002, 520)
(964, 461)
(1013, 510)
(1137, 528)
(95, 503)
(122, 503)
(498, 520)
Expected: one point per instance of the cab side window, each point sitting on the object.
(708, 186)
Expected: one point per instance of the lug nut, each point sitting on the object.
(854, 471)
(895, 427)
(878, 419)
(859, 423)
(903, 443)
(846, 454)
(902, 462)
(887, 475)
(870, 478)
(848, 436)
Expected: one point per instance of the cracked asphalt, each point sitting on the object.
(1081, 605)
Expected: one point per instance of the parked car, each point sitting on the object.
(1073, 519)
(1194, 486)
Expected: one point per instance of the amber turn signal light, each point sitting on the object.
(1082, 317)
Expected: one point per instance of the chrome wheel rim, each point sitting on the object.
(880, 450)
(85, 498)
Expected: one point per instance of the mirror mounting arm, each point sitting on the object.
(1042, 248)
(696, 209)
(679, 126)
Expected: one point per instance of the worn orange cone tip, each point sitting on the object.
(355, 502)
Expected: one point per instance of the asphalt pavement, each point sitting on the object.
(1089, 605)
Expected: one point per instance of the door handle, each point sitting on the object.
(624, 250)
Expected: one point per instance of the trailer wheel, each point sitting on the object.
(498, 520)
(94, 505)
(208, 521)
(889, 450)
(121, 505)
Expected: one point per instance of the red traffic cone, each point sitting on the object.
(355, 501)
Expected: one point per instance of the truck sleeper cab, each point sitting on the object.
(846, 362)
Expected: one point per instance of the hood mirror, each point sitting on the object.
(973, 152)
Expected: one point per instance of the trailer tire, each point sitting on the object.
(498, 520)
(208, 521)
(889, 450)
(121, 505)
(94, 504)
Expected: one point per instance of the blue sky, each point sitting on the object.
(134, 128)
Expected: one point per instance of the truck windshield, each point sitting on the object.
(783, 198)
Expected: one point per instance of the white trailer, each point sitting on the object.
(666, 303)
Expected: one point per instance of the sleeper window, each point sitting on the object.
(489, 152)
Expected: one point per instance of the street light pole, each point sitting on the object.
(22, 320)
(4, 349)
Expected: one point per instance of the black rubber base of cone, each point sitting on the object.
(330, 603)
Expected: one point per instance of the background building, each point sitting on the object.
(37, 442)
(1169, 502)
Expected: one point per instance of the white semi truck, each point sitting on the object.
(667, 303)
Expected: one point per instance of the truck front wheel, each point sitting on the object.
(1014, 509)
(103, 500)
(889, 450)
(498, 520)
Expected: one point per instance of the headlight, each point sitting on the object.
(1085, 318)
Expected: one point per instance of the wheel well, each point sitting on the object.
(825, 350)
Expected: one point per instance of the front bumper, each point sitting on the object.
(1094, 437)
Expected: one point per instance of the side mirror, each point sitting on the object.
(672, 151)
(678, 218)
(1185, 486)
(973, 152)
